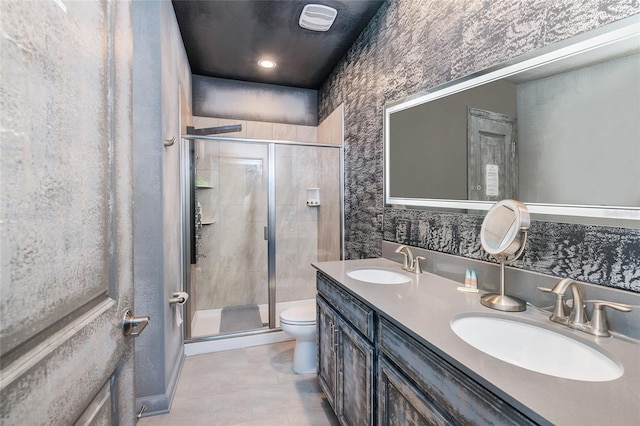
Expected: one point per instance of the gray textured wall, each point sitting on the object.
(241, 100)
(411, 46)
(160, 66)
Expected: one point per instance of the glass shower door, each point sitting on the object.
(229, 283)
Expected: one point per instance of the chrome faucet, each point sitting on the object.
(411, 263)
(578, 317)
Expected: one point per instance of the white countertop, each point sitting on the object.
(425, 307)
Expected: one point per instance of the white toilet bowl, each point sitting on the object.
(300, 322)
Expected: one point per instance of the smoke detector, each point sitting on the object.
(317, 17)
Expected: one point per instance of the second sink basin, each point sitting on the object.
(378, 275)
(536, 348)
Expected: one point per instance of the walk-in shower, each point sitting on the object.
(255, 231)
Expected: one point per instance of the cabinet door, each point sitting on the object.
(355, 377)
(400, 403)
(326, 350)
(455, 393)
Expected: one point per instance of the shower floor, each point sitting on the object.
(207, 322)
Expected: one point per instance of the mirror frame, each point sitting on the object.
(623, 31)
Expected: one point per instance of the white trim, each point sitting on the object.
(219, 345)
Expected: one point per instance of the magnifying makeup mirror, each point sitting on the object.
(504, 235)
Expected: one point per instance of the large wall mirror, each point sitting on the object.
(558, 129)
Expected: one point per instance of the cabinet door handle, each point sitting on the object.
(332, 334)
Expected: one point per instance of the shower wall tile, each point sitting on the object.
(284, 151)
(256, 252)
(233, 181)
(294, 272)
(329, 175)
(204, 122)
(305, 161)
(286, 220)
(286, 244)
(234, 233)
(259, 130)
(330, 130)
(306, 214)
(207, 154)
(209, 244)
(286, 191)
(329, 232)
(306, 134)
(412, 46)
(284, 132)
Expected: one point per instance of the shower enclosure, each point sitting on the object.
(260, 212)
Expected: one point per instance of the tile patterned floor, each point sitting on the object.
(246, 387)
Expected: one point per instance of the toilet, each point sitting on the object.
(300, 322)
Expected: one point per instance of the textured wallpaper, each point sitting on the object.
(413, 45)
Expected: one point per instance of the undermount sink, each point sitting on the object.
(378, 275)
(536, 348)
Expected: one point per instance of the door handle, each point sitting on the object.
(133, 326)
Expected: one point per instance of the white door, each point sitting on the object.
(66, 213)
(492, 159)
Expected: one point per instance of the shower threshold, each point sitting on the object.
(207, 322)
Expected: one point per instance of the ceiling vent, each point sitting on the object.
(316, 17)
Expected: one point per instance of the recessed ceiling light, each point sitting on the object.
(267, 63)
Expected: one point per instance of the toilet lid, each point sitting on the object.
(299, 314)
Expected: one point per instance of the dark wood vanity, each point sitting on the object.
(374, 372)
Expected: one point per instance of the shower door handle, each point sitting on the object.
(266, 233)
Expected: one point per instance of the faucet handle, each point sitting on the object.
(405, 264)
(408, 257)
(416, 264)
(559, 313)
(599, 326)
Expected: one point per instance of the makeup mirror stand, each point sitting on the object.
(501, 301)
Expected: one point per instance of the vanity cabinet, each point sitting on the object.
(362, 358)
(417, 383)
(345, 354)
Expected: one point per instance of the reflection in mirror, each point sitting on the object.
(557, 129)
(504, 235)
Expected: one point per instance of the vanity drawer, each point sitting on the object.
(457, 394)
(356, 312)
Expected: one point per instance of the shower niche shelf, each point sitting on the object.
(204, 186)
(208, 222)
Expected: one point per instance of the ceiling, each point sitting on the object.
(226, 39)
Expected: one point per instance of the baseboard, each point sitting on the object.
(218, 345)
(161, 403)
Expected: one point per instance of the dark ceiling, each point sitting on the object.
(226, 38)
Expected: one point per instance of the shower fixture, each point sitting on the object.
(214, 130)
